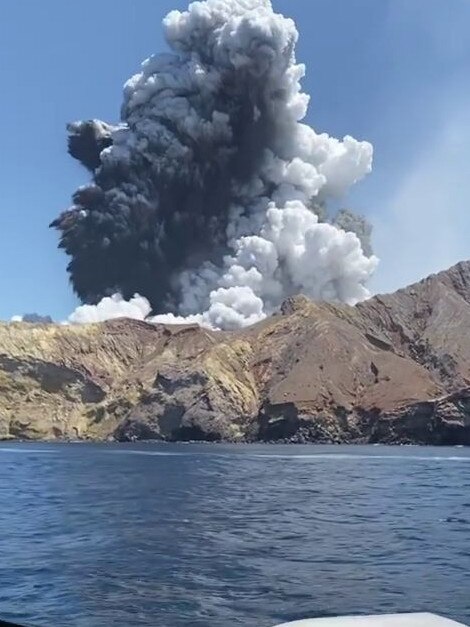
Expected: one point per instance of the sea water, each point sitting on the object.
(220, 536)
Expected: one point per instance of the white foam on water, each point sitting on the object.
(292, 457)
(260, 456)
(337, 456)
(150, 453)
(27, 451)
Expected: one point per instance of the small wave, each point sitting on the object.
(26, 451)
(313, 456)
(455, 519)
(150, 453)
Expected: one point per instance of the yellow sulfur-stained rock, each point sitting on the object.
(393, 369)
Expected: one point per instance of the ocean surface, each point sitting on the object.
(222, 536)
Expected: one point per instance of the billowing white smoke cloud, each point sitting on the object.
(112, 307)
(278, 245)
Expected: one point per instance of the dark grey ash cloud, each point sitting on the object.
(203, 197)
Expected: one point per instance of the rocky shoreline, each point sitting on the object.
(394, 370)
(438, 422)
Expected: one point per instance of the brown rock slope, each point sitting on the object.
(393, 369)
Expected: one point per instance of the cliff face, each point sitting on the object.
(393, 369)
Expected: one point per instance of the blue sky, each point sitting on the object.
(394, 72)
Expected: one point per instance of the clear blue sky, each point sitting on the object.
(394, 72)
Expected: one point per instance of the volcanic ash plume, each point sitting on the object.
(208, 198)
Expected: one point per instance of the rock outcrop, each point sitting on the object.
(393, 369)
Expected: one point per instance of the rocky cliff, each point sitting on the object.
(393, 369)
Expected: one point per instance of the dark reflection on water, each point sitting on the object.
(211, 536)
